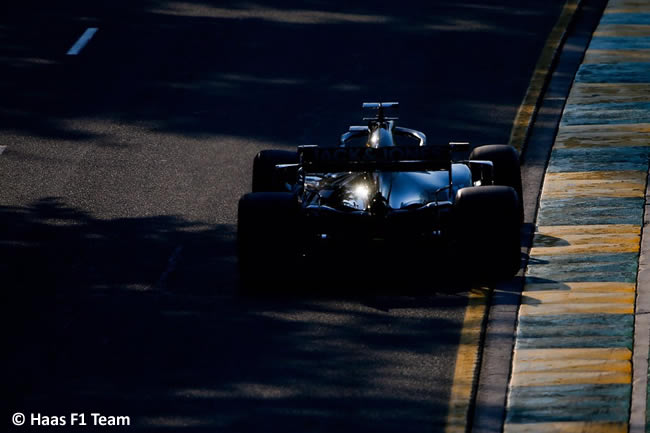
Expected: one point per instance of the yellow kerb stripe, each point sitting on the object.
(571, 378)
(591, 308)
(633, 30)
(590, 287)
(597, 129)
(615, 238)
(616, 56)
(601, 93)
(567, 427)
(603, 136)
(614, 353)
(557, 297)
(592, 229)
(621, 184)
(466, 362)
(627, 6)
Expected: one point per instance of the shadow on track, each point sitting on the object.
(93, 328)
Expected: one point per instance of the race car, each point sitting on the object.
(381, 184)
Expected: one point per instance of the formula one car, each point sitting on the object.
(382, 184)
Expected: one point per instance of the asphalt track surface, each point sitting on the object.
(118, 192)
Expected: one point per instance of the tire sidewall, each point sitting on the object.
(486, 231)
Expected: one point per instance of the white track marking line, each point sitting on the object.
(82, 41)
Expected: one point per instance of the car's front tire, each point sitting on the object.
(505, 160)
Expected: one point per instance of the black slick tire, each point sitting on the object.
(268, 233)
(505, 160)
(487, 231)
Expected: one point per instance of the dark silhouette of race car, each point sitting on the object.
(381, 184)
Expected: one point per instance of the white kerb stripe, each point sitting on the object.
(82, 41)
(2, 149)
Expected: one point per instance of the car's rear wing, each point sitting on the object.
(315, 159)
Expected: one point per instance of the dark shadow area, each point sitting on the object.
(95, 328)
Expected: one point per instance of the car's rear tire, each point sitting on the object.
(268, 230)
(265, 175)
(505, 160)
(487, 231)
